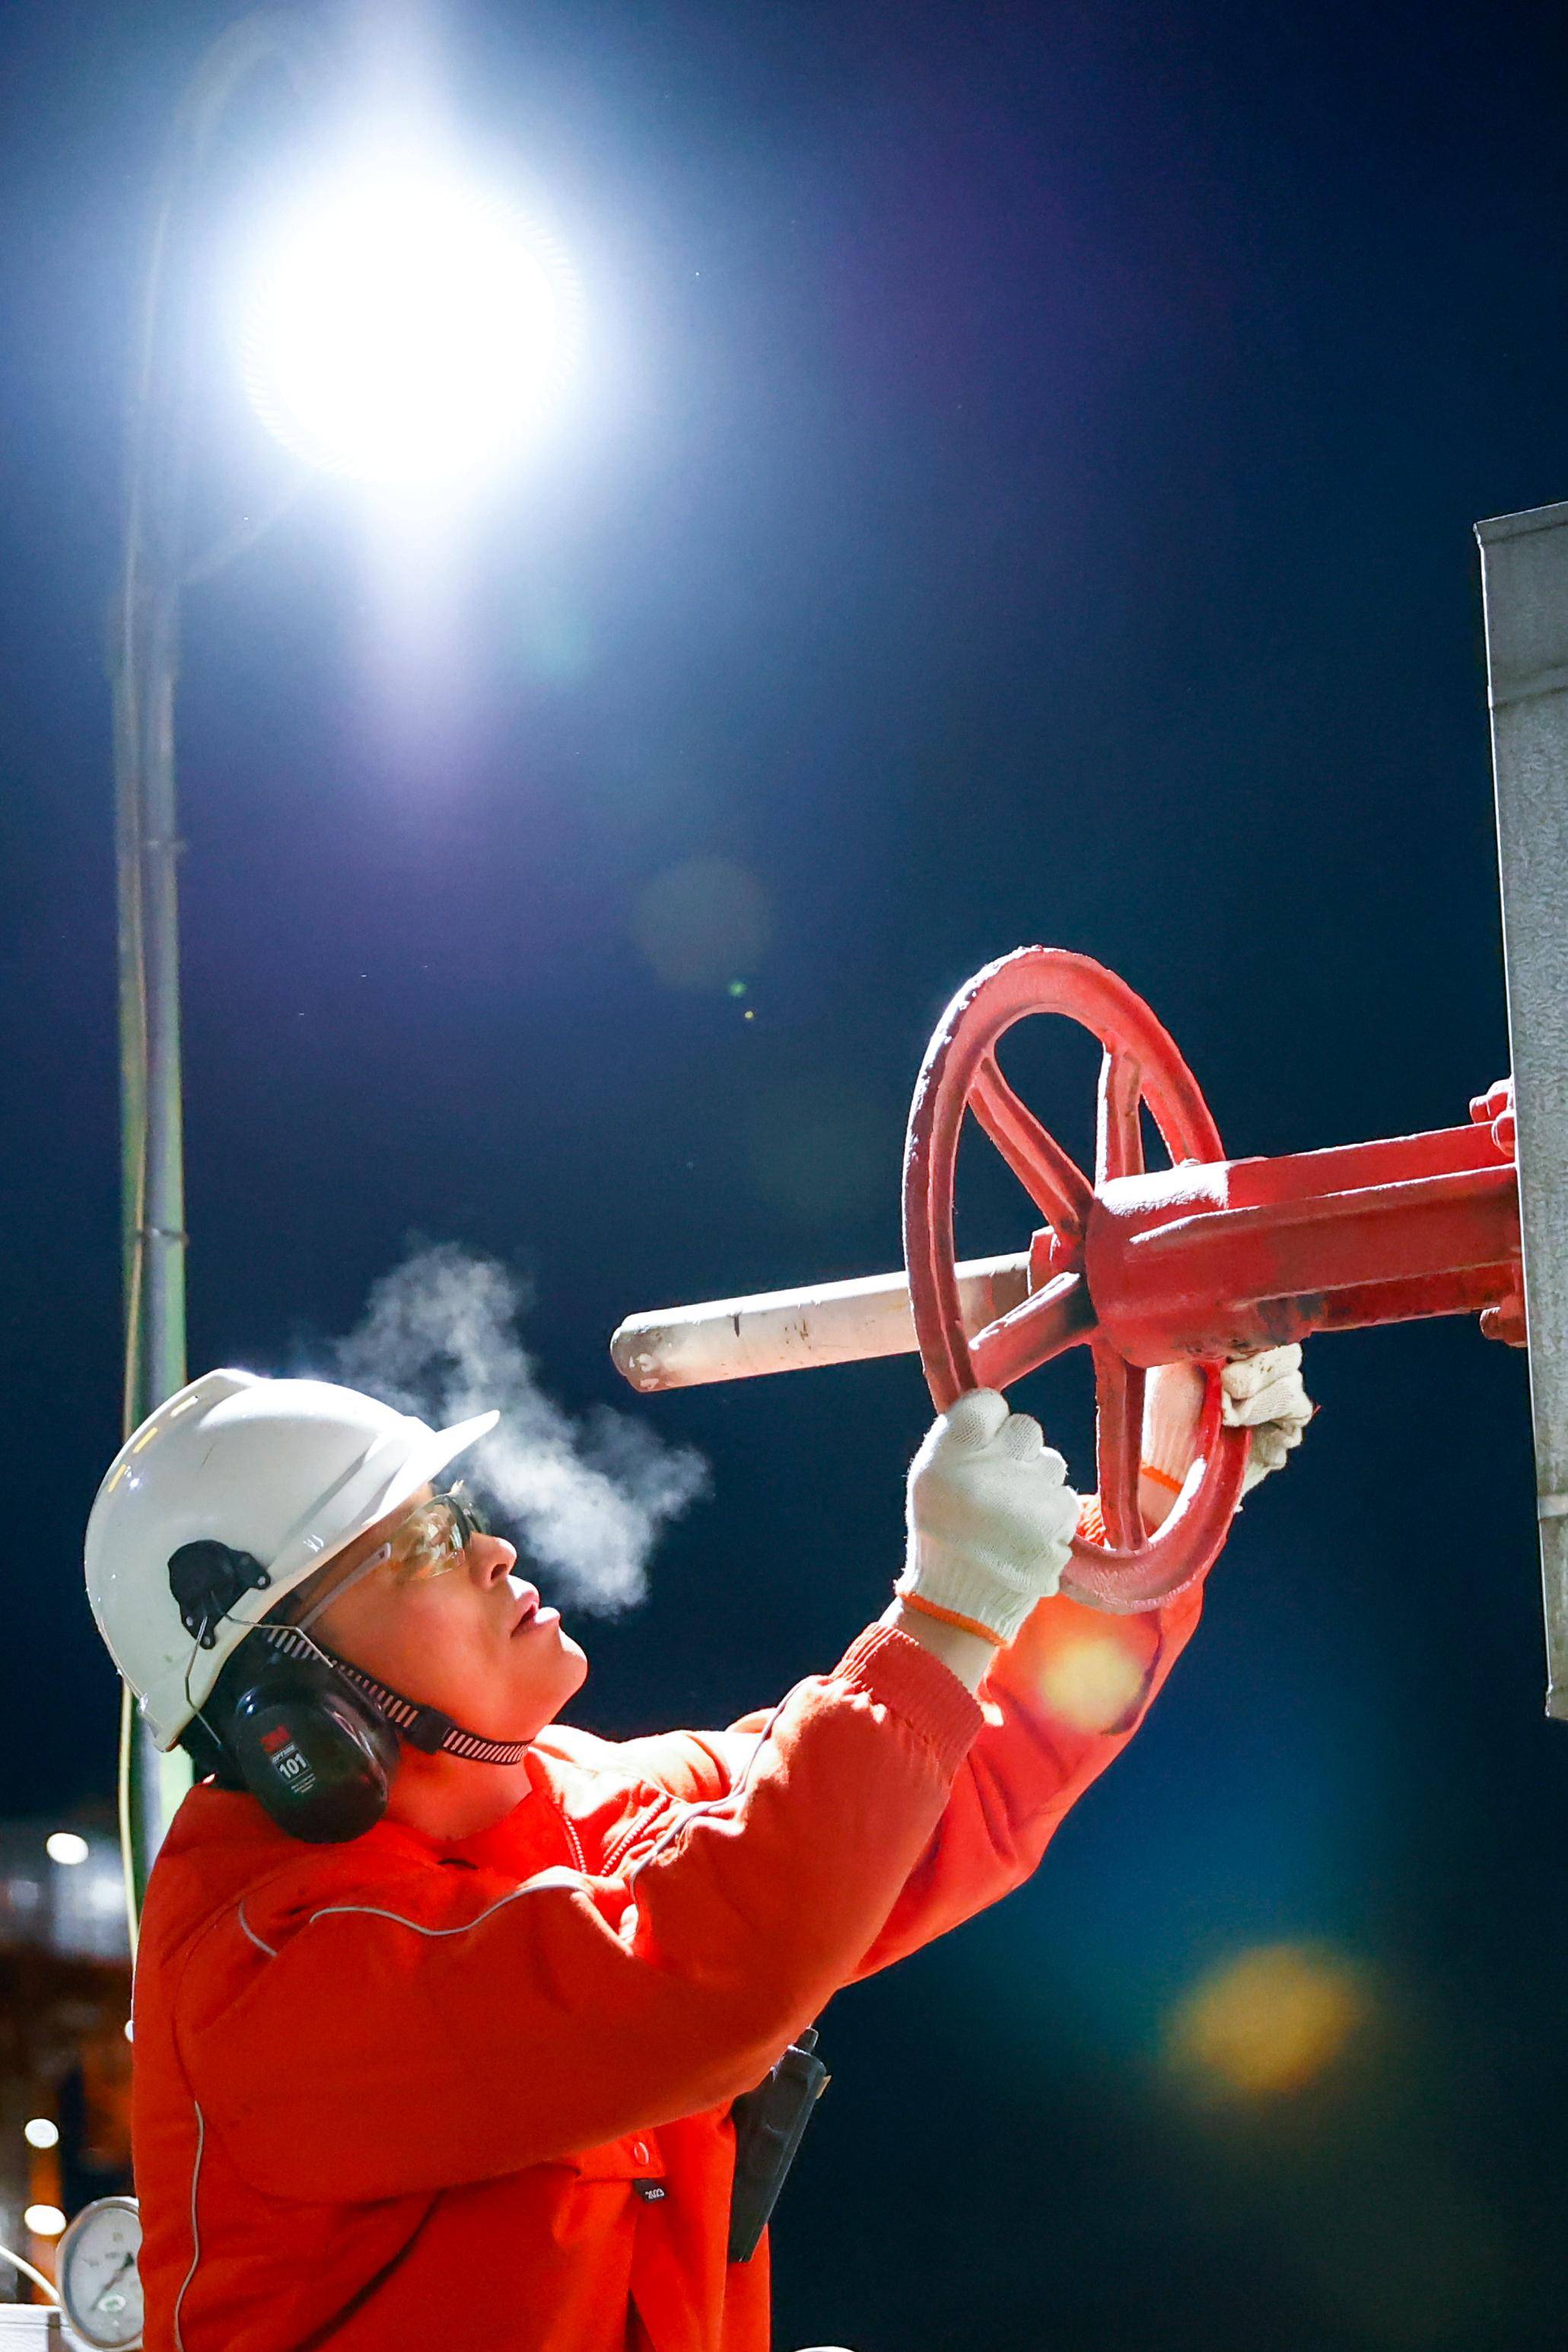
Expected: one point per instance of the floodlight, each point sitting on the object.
(402, 325)
(66, 1847)
(44, 2221)
(39, 2132)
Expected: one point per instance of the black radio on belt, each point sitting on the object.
(770, 2124)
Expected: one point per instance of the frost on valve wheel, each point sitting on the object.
(960, 1075)
(100, 2286)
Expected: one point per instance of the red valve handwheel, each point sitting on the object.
(1131, 1570)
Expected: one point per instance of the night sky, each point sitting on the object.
(1018, 486)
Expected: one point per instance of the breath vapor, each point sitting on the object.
(588, 1496)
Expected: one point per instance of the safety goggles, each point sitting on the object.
(433, 1538)
(430, 1539)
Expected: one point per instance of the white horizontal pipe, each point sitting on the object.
(786, 1330)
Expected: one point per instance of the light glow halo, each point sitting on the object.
(401, 325)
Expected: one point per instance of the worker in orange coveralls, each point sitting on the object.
(441, 2008)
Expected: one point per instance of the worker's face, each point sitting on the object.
(475, 1641)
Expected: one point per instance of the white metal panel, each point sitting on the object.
(31, 2327)
(1524, 577)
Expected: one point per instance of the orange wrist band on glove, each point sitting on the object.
(925, 1608)
(1162, 1478)
(991, 1520)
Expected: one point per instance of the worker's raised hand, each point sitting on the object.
(1263, 1393)
(991, 1517)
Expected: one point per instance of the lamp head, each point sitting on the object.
(402, 325)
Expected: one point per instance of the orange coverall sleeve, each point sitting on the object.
(1059, 1703)
(431, 2031)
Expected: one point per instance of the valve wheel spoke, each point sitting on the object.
(1051, 1320)
(1119, 1446)
(1054, 1183)
(1119, 1135)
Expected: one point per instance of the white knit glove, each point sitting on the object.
(991, 1517)
(1262, 1393)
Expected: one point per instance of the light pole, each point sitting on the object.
(518, 306)
(144, 659)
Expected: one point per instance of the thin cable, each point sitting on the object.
(122, 1810)
(37, 2277)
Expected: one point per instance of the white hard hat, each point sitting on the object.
(286, 1471)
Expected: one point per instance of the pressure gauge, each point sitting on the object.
(100, 2286)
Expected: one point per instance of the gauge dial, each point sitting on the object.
(100, 2284)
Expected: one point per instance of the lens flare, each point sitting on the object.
(1268, 2021)
(1093, 1682)
(701, 922)
(401, 325)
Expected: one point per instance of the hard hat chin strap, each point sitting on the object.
(424, 1728)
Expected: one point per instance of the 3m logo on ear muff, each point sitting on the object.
(292, 1768)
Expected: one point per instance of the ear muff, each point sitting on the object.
(313, 1751)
